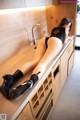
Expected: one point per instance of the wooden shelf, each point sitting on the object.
(40, 96)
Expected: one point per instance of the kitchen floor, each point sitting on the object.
(68, 103)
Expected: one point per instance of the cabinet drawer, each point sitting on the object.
(70, 63)
(26, 114)
(63, 67)
(56, 88)
(70, 48)
(56, 81)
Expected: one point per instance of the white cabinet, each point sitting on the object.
(34, 3)
(37, 3)
(9, 4)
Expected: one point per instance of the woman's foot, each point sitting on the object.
(17, 91)
(10, 80)
(13, 93)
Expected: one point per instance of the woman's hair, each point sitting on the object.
(65, 21)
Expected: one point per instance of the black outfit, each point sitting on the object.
(58, 32)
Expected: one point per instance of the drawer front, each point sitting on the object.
(70, 48)
(56, 88)
(26, 114)
(56, 81)
(63, 67)
(70, 63)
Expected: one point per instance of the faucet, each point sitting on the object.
(34, 43)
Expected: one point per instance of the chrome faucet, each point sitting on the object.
(34, 42)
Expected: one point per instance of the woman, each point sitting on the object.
(46, 50)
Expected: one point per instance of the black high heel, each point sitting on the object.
(4, 90)
(10, 80)
(12, 93)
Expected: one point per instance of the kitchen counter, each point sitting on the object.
(13, 107)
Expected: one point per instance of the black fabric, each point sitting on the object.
(10, 80)
(17, 91)
(34, 78)
(4, 90)
(46, 40)
(57, 32)
(12, 93)
(18, 74)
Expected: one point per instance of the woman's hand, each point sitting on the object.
(72, 37)
(68, 38)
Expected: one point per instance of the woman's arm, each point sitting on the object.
(68, 38)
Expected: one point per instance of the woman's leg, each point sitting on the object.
(27, 67)
(41, 48)
(54, 47)
(10, 80)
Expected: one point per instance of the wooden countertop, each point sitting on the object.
(13, 107)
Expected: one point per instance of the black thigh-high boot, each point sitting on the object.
(9, 81)
(28, 84)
